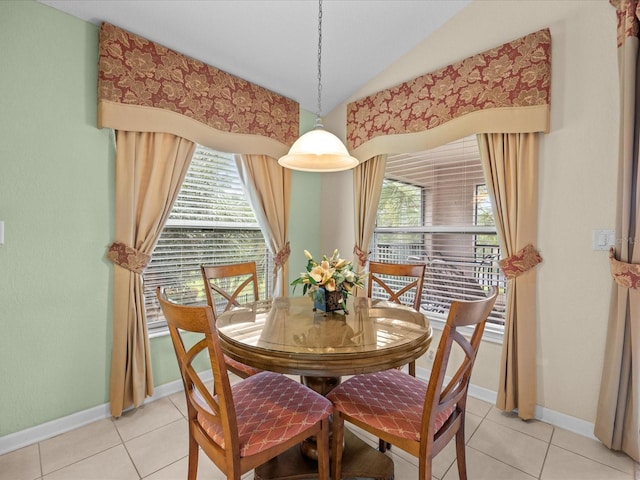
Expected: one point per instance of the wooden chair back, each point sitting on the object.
(230, 285)
(242, 426)
(218, 409)
(419, 418)
(443, 396)
(227, 286)
(398, 280)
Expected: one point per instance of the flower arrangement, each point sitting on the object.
(332, 274)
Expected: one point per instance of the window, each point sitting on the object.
(435, 208)
(211, 223)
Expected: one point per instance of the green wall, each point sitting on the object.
(57, 200)
(304, 226)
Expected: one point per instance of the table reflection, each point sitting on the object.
(286, 335)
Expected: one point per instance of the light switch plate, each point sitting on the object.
(603, 239)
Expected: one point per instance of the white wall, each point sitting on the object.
(577, 181)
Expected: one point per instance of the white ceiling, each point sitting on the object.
(274, 43)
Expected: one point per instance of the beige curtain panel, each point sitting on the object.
(367, 187)
(150, 168)
(510, 164)
(268, 186)
(506, 107)
(618, 418)
(144, 94)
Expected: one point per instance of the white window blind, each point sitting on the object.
(211, 223)
(434, 208)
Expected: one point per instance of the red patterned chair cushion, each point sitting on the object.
(391, 401)
(248, 370)
(270, 408)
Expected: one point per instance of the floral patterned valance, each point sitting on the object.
(143, 86)
(628, 13)
(506, 89)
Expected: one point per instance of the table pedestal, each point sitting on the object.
(359, 459)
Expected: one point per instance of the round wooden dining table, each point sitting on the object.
(287, 335)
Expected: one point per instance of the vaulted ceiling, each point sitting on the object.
(274, 43)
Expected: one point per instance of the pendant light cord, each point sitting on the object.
(318, 150)
(319, 113)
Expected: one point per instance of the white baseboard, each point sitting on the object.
(38, 433)
(562, 420)
(557, 419)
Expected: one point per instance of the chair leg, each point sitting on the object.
(322, 439)
(461, 453)
(337, 443)
(412, 369)
(192, 472)
(425, 467)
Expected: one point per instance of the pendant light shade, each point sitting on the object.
(318, 150)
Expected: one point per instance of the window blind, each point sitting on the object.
(211, 223)
(434, 208)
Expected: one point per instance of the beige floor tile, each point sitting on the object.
(22, 464)
(70, 447)
(592, 449)
(180, 402)
(499, 447)
(443, 461)
(178, 470)
(159, 448)
(535, 428)
(478, 407)
(403, 469)
(562, 464)
(112, 464)
(509, 446)
(147, 418)
(484, 467)
(471, 424)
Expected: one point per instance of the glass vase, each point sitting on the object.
(326, 301)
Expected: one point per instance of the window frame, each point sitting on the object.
(494, 331)
(174, 227)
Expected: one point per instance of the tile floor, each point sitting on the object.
(151, 444)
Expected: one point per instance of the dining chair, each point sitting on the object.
(243, 425)
(230, 285)
(227, 286)
(400, 283)
(418, 417)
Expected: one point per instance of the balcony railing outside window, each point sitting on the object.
(434, 209)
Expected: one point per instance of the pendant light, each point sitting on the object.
(318, 150)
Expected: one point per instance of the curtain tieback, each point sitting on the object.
(128, 257)
(361, 254)
(625, 274)
(525, 259)
(281, 257)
